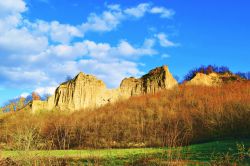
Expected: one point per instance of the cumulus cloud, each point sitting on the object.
(111, 18)
(57, 32)
(21, 41)
(164, 13)
(164, 41)
(24, 94)
(111, 72)
(63, 33)
(12, 7)
(17, 76)
(9, 22)
(143, 8)
(61, 60)
(108, 21)
(39, 54)
(115, 7)
(69, 51)
(138, 11)
(100, 51)
(42, 91)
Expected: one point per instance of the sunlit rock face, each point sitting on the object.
(213, 79)
(82, 92)
(205, 80)
(86, 91)
(157, 79)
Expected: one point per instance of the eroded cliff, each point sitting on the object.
(86, 91)
(213, 79)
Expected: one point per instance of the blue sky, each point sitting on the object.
(43, 41)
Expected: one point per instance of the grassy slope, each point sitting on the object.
(199, 152)
(204, 152)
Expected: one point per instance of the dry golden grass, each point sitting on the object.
(187, 114)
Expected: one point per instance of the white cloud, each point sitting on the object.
(164, 41)
(138, 11)
(21, 76)
(164, 13)
(11, 7)
(42, 91)
(9, 22)
(110, 72)
(39, 54)
(24, 94)
(101, 51)
(54, 64)
(62, 33)
(21, 41)
(69, 51)
(108, 21)
(143, 8)
(149, 43)
(115, 7)
(97, 50)
(126, 49)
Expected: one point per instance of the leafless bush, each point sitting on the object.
(184, 115)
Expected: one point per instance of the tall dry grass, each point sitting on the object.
(187, 114)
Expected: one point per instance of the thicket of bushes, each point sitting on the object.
(245, 75)
(187, 114)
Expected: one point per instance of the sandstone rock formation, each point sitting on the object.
(156, 80)
(213, 79)
(206, 80)
(86, 91)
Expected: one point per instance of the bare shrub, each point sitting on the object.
(187, 114)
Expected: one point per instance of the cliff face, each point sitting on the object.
(86, 91)
(206, 80)
(81, 92)
(156, 80)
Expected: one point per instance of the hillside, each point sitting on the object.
(183, 115)
(154, 128)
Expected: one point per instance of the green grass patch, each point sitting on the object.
(102, 153)
(201, 153)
